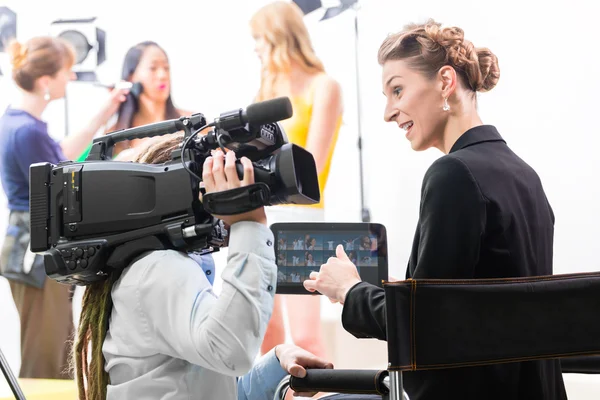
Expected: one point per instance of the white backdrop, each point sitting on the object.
(544, 105)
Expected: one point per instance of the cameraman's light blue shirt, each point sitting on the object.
(171, 338)
(265, 375)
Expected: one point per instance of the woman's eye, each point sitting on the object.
(397, 91)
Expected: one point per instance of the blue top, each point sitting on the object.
(24, 140)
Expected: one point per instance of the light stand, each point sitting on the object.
(10, 378)
(66, 115)
(330, 13)
(308, 6)
(365, 213)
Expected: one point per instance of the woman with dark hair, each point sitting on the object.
(309, 259)
(147, 64)
(365, 243)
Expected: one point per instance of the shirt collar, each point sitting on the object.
(478, 134)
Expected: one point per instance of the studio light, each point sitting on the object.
(337, 10)
(8, 28)
(308, 6)
(89, 42)
(337, 7)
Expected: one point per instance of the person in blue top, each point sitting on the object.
(41, 70)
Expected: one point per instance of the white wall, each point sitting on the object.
(544, 105)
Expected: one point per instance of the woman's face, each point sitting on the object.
(57, 85)
(154, 73)
(415, 103)
(262, 49)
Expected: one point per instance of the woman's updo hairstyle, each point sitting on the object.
(428, 47)
(40, 56)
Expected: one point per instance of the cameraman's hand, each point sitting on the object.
(219, 178)
(295, 361)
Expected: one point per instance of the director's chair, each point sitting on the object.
(508, 320)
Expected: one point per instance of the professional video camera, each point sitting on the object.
(91, 217)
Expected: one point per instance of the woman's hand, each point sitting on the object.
(115, 98)
(73, 145)
(219, 176)
(335, 277)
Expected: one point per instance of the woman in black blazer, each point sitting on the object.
(483, 214)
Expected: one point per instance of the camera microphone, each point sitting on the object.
(261, 113)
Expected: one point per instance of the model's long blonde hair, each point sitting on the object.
(280, 24)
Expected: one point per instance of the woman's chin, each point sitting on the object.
(414, 144)
(418, 145)
(158, 96)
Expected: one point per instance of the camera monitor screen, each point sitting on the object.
(303, 247)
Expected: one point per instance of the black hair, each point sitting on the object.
(130, 107)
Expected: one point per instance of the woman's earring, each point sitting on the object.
(47, 95)
(446, 106)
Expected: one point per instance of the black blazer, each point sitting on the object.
(484, 214)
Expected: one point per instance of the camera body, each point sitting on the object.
(93, 217)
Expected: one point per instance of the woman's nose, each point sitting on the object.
(389, 113)
(161, 72)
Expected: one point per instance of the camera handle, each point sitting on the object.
(102, 147)
(237, 201)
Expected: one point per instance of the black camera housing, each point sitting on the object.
(89, 218)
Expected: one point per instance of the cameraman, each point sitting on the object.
(169, 336)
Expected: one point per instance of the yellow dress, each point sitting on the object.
(297, 128)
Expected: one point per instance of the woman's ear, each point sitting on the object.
(448, 79)
(43, 83)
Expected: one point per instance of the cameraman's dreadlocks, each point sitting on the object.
(91, 375)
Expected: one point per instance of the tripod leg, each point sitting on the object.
(10, 378)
